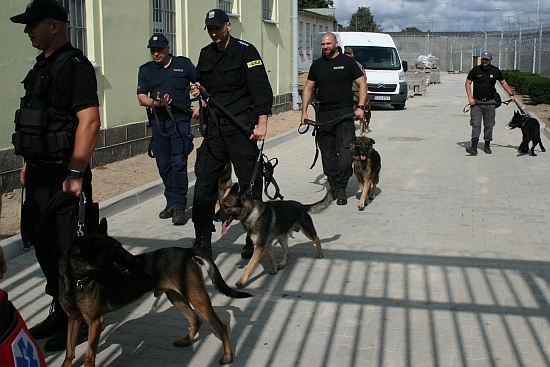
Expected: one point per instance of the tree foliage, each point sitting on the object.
(411, 29)
(363, 21)
(314, 4)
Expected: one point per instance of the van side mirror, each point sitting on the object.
(405, 65)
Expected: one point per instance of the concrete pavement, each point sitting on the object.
(448, 266)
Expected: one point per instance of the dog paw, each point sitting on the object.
(183, 342)
(320, 256)
(274, 270)
(226, 359)
(361, 208)
(240, 284)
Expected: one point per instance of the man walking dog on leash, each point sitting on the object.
(232, 72)
(482, 100)
(332, 76)
(165, 79)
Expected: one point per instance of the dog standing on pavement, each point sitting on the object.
(365, 121)
(530, 130)
(366, 166)
(268, 221)
(97, 276)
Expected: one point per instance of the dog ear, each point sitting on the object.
(102, 227)
(372, 141)
(234, 189)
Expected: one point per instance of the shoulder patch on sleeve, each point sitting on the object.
(243, 43)
(251, 64)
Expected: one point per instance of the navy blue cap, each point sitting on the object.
(158, 40)
(41, 9)
(487, 55)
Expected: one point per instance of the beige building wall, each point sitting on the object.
(117, 35)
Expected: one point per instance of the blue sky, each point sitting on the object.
(443, 15)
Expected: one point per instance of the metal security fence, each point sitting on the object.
(520, 42)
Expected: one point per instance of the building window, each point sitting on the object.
(301, 37)
(164, 21)
(77, 22)
(308, 38)
(267, 9)
(226, 6)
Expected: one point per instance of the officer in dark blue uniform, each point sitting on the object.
(165, 79)
(233, 73)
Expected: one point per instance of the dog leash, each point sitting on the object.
(316, 125)
(467, 108)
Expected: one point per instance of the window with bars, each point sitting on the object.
(164, 21)
(226, 6)
(267, 9)
(77, 22)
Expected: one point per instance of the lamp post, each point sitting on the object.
(520, 47)
(429, 31)
(485, 33)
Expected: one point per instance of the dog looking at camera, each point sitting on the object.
(97, 276)
(366, 166)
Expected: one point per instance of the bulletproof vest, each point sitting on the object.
(41, 132)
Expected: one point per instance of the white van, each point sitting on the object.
(384, 70)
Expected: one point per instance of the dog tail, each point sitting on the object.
(320, 205)
(216, 276)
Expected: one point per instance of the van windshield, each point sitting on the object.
(377, 58)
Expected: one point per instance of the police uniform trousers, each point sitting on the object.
(42, 182)
(485, 111)
(221, 145)
(171, 145)
(334, 144)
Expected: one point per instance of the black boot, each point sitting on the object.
(167, 212)
(203, 241)
(342, 198)
(248, 249)
(58, 342)
(333, 191)
(473, 149)
(53, 324)
(487, 147)
(179, 218)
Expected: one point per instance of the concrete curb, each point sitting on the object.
(13, 246)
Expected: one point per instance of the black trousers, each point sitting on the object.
(221, 145)
(42, 182)
(334, 144)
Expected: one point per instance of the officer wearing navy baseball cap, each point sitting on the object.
(158, 40)
(41, 9)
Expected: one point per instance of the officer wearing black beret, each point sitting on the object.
(233, 73)
(56, 131)
(165, 80)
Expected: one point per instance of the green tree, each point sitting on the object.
(411, 29)
(363, 21)
(314, 4)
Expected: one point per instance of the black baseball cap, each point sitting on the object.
(158, 40)
(216, 18)
(41, 9)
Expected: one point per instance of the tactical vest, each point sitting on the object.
(42, 133)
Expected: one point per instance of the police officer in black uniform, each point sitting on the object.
(56, 131)
(233, 73)
(165, 79)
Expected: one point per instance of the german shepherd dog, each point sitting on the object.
(366, 165)
(365, 121)
(97, 276)
(268, 221)
(530, 129)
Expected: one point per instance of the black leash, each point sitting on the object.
(468, 106)
(316, 125)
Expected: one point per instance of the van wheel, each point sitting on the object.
(399, 107)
